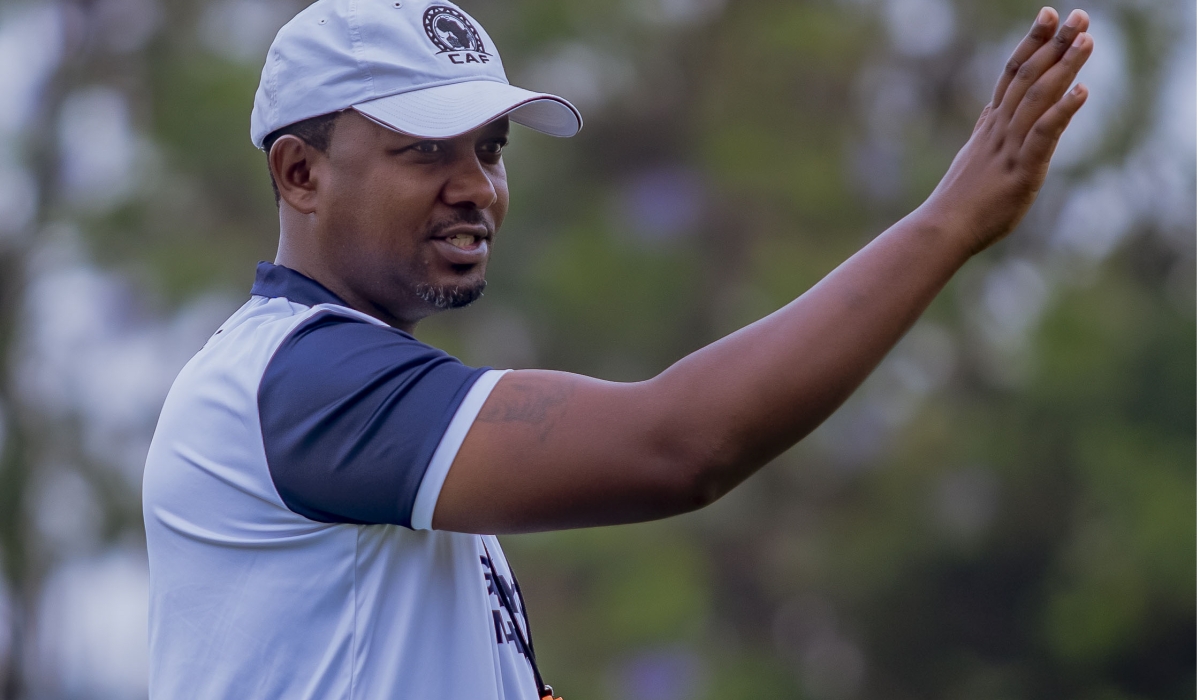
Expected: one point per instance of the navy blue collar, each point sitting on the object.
(279, 281)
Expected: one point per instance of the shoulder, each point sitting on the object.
(351, 414)
(331, 346)
(332, 329)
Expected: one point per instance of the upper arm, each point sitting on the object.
(551, 450)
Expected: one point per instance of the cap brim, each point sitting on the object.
(445, 111)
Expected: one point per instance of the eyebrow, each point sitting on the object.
(502, 125)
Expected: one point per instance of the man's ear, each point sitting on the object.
(291, 161)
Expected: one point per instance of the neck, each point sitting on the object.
(299, 251)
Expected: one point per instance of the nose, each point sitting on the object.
(470, 185)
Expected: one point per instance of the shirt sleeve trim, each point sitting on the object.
(447, 449)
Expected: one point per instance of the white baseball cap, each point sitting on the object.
(419, 67)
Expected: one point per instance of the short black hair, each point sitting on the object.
(315, 131)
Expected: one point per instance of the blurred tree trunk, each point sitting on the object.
(23, 565)
(14, 473)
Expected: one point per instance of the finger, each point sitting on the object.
(1042, 60)
(1039, 34)
(987, 109)
(1049, 89)
(1043, 137)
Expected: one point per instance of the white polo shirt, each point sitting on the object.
(288, 498)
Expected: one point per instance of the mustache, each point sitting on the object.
(471, 217)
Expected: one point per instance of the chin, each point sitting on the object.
(454, 295)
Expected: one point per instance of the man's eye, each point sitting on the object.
(494, 148)
(427, 147)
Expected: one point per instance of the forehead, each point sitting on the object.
(354, 127)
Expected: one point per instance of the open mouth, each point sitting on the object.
(464, 247)
(463, 241)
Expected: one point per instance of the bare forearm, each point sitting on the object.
(760, 390)
(782, 376)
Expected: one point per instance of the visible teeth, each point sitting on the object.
(462, 240)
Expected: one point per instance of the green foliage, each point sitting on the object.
(1071, 571)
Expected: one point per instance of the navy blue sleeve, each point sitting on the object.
(351, 415)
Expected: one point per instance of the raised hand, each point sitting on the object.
(997, 174)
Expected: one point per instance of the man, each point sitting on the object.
(323, 490)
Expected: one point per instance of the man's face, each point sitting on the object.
(405, 225)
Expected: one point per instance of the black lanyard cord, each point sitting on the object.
(524, 640)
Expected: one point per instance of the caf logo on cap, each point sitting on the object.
(454, 35)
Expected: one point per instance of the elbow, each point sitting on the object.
(703, 490)
(694, 458)
(699, 470)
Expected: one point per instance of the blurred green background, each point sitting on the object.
(1005, 510)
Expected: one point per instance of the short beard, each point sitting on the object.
(449, 297)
